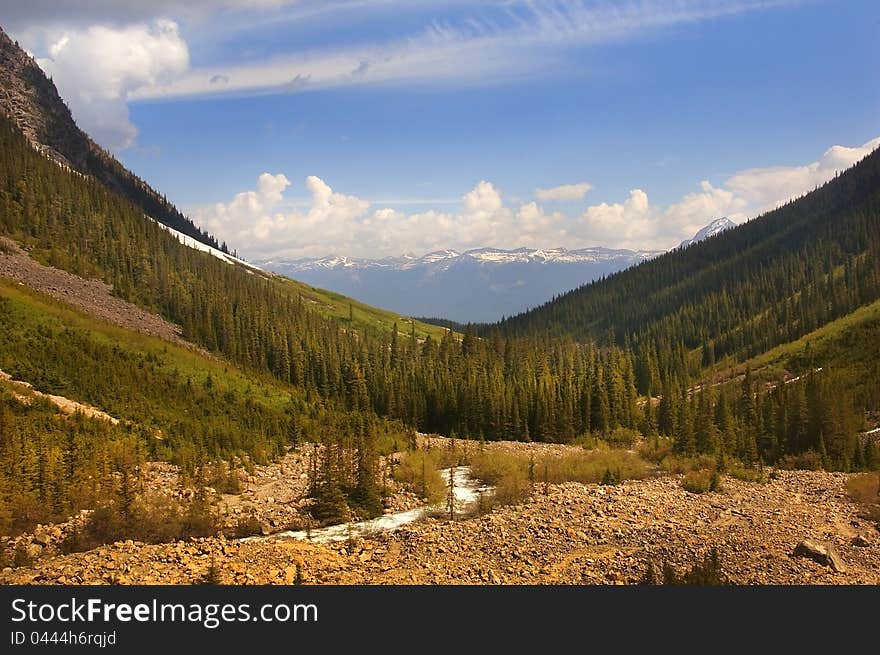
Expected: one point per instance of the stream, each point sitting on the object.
(467, 492)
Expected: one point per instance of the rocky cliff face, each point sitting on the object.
(30, 100)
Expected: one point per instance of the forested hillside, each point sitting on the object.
(173, 404)
(740, 293)
(495, 388)
(31, 101)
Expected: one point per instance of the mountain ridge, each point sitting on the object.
(476, 285)
(31, 101)
(558, 254)
(483, 255)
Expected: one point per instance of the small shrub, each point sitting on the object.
(105, 525)
(199, 520)
(418, 471)
(747, 474)
(698, 482)
(225, 481)
(247, 526)
(20, 556)
(650, 575)
(623, 437)
(656, 449)
(810, 461)
(515, 476)
(610, 477)
(157, 519)
(213, 576)
(153, 518)
(73, 542)
(676, 464)
(705, 572)
(864, 489)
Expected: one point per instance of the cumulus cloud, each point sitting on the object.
(635, 223)
(96, 69)
(694, 210)
(770, 187)
(483, 200)
(564, 192)
(255, 223)
(631, 222)
(258, 224)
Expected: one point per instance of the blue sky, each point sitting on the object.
(372, 127)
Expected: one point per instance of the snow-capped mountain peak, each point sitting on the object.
(438, 256)
(715, 227)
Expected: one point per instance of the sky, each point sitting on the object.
(372, 128)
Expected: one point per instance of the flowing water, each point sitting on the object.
(467, 493)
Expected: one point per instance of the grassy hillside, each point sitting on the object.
(848, 348)
(173, 404)
(192, 407)
(363, 317)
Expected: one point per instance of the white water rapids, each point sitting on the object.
(467, 492)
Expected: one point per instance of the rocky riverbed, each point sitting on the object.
(274, 496)
(573, 534)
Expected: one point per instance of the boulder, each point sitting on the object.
(821, 552)
(861, 541)
(33, 550)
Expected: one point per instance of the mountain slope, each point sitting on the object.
(846, 348)
(744, 291)
(31, 101)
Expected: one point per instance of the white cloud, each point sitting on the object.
(492, 42)
(95, 70)
(627, 224)
(564, 192)
(770, 187)
(256, 223)
(695, 210)
(106, 53)
(637, 224)
(253, 222)
(482, 201)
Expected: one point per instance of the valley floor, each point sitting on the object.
(572, 534)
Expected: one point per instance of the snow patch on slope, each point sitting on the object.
(198, 245)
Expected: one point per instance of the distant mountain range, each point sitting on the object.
(479, 285)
